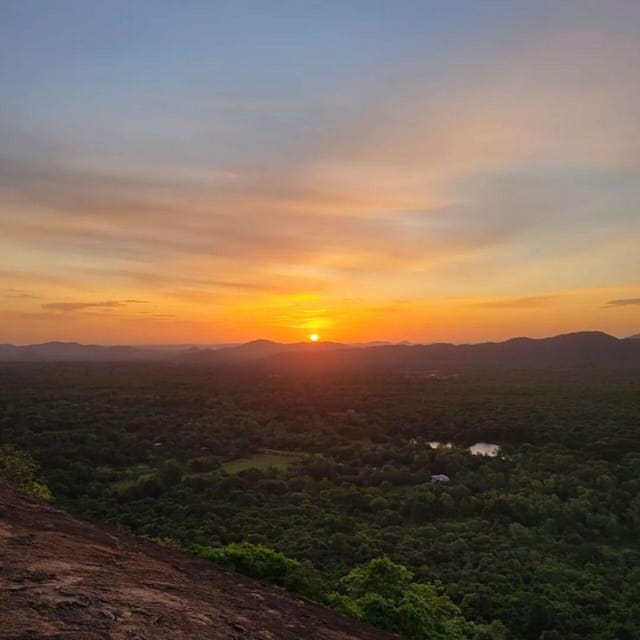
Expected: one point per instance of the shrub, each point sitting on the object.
(261, 562)
(21, 471)
(382, 593)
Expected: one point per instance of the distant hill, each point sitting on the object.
(75, 352)
(64, 578)
(572, 349)
(256, 350)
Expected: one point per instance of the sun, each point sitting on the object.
(314, 337)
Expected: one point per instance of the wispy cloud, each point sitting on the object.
(20, 294)
(181, 281)
(518, 303)
(81, 306)
(623, 302)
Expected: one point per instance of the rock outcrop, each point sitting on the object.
(65, 579)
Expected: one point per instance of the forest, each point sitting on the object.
(321, 482)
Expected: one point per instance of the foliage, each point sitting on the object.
(260, 562)
(383, 594)
(263, 460)
(170, 474)
(21, 471)
(542, 540)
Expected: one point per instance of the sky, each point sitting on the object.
(198, 171)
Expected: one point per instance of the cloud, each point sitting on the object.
(518, 303)
(269, 283)
(81, 306)
(149, 229)
(20, 294)
(477, 174)
(537, 140)
(32, 278)
(623, 302)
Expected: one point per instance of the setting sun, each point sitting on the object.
(265, 213)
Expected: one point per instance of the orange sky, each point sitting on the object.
(427, 173)
(291, 317)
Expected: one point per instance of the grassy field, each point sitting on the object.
(133, 475)
(267, 459)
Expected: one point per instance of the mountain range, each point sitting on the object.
(572, 349)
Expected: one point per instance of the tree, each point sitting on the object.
(383, 594)
(21, 471)
(170, 474)
(261, 562)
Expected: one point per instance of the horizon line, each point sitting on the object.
(380, 342)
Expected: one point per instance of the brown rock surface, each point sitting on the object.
(64, 579)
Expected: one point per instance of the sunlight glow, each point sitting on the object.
(314, 337)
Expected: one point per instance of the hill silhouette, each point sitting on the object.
(76, 352)
(589, 348)
(258, 349)
(571, 349)
(65, 579)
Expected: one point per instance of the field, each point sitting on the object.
(263, 461)
(141, 473)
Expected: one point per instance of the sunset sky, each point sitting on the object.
(194, 171)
